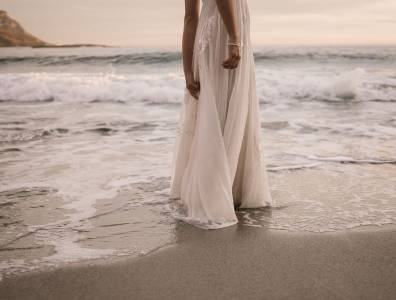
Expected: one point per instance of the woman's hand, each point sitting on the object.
(192, 85)
(234, 56)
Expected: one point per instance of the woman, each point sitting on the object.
(218, 163)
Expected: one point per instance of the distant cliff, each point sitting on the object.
(13, 35)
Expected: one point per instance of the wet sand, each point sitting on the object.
(319, 243)
(238, 262)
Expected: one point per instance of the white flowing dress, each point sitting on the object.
(218, 162)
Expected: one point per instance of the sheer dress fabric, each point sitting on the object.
(218, 163)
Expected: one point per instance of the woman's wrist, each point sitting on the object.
(234, 39)
(189, 76)
(237, 44)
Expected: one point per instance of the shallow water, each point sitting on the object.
(87, 134)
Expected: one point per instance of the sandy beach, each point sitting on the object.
(85, 158)
(96, 124)
(238, 262)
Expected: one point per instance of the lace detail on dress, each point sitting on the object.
(206, 34)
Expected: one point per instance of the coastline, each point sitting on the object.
(59, 46)
(331, 167)
(237, 262)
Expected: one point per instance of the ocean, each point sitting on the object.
(87, 137)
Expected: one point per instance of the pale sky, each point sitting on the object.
(160, 22)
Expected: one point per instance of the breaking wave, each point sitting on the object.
(167, 88)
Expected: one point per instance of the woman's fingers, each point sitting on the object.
(234, 57)
(194, 88)
(227, 64)
(232, 62)
(193, 91)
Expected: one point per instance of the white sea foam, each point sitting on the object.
(292, 167)
(348, 159)
(81, 87)
(345, 85)
(324, 85)
(168, 88)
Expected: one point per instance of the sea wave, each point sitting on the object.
(385, 54)
(167, 88)
(324, 56)
(121, 59)
(355, 84)
(92, 87)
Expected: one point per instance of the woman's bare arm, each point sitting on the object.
(227, 11)
(191, 17)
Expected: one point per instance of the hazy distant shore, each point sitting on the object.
(72, 46)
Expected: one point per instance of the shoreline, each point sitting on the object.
(230, 263)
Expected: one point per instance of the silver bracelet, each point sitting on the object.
(234, 44)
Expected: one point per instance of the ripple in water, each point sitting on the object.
(319, 200)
